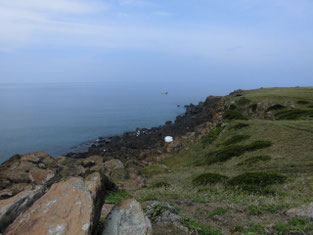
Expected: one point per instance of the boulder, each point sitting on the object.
(106, 209)
(36, 168)
(115, 170)
(113, 164)
(69, 207)
(11, 208)
(127, 218)
(304, 211)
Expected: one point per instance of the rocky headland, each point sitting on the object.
(137, 183)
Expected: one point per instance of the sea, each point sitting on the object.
(58, 118)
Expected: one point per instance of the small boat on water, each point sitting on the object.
(164, 93)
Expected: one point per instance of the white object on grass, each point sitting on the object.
(168, 139)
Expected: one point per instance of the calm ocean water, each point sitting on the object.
(56, 117)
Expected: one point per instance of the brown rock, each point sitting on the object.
(35, 168)
(106, 209)
(304, 211)
(11, 208)
(69, 207)
(113, 164)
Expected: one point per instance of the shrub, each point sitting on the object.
(211, 136)
(303, 102)
(261, 179)
(160, 184)
(259, 144)
(243, 101)
(253, 160)
(217, 211)
(291, 114)
(282, 228)
(276, 107)
(225, 154)
(236, 139)
(117, 197)
(256, 189)
(234, 115)
(239, 126)
(208, 178)
(232, 107)
(253, 107)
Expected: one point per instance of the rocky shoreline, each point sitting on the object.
(133, 142)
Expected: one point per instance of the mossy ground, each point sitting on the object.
(280, 147)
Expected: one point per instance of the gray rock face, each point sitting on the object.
(127, 218)
(11, 208)
(304, 211)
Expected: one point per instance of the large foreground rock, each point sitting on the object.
(304, 211)
(127, 218)
(11, 208)
(69, 207)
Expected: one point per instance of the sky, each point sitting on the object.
(243, 43)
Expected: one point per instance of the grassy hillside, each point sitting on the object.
(242, 176)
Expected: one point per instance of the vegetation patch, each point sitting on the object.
(237, 229)
(232, 107)
(276, 107)
(303, 102)
(196, 226)
(293, 114)
(239, 126)
(253, 160)
(211, 136)
(234, 115)
(209, 178)
(243, 101)
(158, 210)
(217, 211)
(259, 144)
(160, 184)
(256, 189)
(253, 210)
(236, 139)
(261, 179)
(117, 197)
(155, 169)
(253, 107)
(235, 151)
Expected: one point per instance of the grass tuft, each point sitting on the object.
(217, 211)
(160, 184)
(236, 139)
(261, 179)
(117, 197)
(211, 136)
(209, 178)
(234, 115)
(276, 107)
(243, 101)
(253, 160)
(239, 126)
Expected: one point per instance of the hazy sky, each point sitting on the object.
(249, 43)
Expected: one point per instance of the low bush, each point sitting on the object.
(208, 178)
(211, 136)
(236, 139)
(255, 189)
(235, 151)
(259, 144)
(253, 160)
(234, 115)
(261, 179)
(155, 169)
(239, 126)
(293, 114)
(243, 101)
(253, 210)
(253, 107)
(232, 107)
(276, 107)
(237, 229)
(303, 102)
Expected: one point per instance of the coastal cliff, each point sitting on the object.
(238, 164)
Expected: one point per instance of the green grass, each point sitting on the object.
(218, 211)
(160, 184)
(239, 126)
(254, 210)
(236, 139)
(211, 136)
(154, 169)
(209, 178)
(254, 160)
(234, 115)
(200, 228)
(261, 179)
(117, 197)
(243, 101)
(294, 114)
(276, 107)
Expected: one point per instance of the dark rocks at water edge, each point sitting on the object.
(132, 143)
